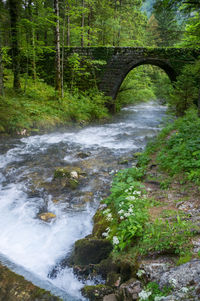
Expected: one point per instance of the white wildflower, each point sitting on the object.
(184, 289)
(121, 211)
(136, 192)
(108, 229)
(140, 273)
(158, 298)
(143, 295)
(109, 217)
(130, 198)
(115, 240)
(173, 282)
(130, 210)
(127, 214)
(121, 217)
(126, 190)
(106, 211)
(105, 234)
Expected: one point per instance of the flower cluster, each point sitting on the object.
(126, 211)
(143, 295)
(106, 233)
(115, 240)
(108, 215)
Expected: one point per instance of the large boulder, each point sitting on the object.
(89, 250)
(15, 288)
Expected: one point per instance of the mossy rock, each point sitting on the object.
(100, 224)
(65, 172)
(96, 292)
(89, 250)
(15, 288)
(72, 183)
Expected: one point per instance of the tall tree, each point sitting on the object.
(168, 27)
(82, 23)
(1, 64)
(57, 42)
(1, 54)
(14, 10)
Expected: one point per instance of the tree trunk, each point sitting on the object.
(14, 17)
(1, 68)
(199, 104)
(82, 24)
(68, 25)
(57, 42)
(63, 50)
(89, 24)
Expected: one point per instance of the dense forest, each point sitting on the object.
(31, 29)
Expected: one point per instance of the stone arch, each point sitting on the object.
(165, 66)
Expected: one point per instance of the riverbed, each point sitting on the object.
(36, 248)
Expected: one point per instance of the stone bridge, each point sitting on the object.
(119, 61)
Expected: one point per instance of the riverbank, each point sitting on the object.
(150, 221)
(37, 108)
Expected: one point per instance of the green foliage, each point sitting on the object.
(81, 72)
(180, 152)
(129, 225)
(38, 107)
(165, 236)
(144, 83)
(153, 288)
(186, 91)
(127, 208)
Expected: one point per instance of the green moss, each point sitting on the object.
(89, 250)
(96, 292)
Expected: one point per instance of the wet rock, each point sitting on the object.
(110, 297)
(130, 290)
(47, 216)
(88, 196)
(96, 292)
(68, 172)
(83, 155)
(72, 183)
(113, 279)
(91, 251)
(15, 288)
(74, 175)
(124, 161)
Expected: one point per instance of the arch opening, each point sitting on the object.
(162, 65)
(144, 82)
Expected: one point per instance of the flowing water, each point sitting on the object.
(33, 247)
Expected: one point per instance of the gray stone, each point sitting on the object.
(187, 274)
(129, 290)
(110, 297)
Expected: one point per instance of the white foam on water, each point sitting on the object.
(35, 244)
(39, 246)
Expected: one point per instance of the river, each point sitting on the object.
(34, 248)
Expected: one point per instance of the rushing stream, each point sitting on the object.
(33, 247)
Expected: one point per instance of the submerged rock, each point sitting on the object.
(47, 216)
